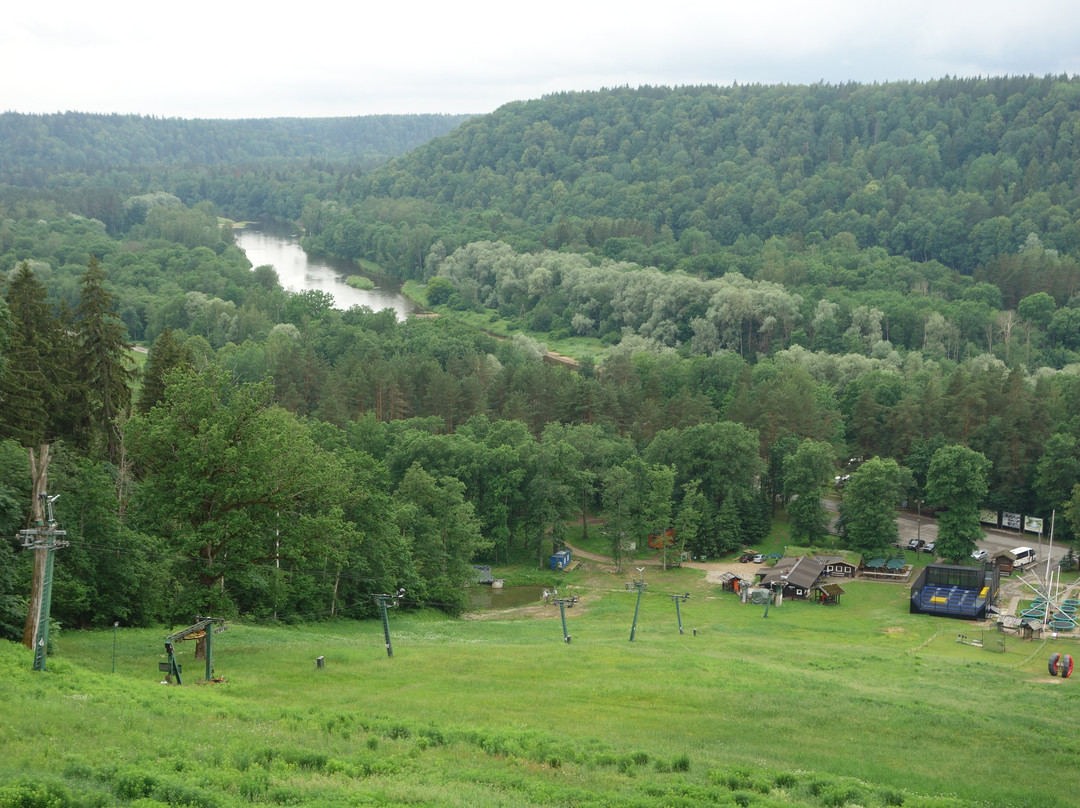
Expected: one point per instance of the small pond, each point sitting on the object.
(482, 596)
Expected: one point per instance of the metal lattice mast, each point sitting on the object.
(44, 539)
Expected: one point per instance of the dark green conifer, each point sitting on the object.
(104, 366)
(166, 355)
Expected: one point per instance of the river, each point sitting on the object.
(298, 271)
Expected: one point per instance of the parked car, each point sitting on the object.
(746, 558)
(929, 548)
(759, 559)
(915, 544)
(980, 555)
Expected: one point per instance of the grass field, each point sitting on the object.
(860, 704)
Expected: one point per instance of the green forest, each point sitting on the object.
(763, 287)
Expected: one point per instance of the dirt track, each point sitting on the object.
(712, 569)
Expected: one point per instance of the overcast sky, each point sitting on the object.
(239, 59)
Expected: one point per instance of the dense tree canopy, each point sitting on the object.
(957, 480)
(755, 281)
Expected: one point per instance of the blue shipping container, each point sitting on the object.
(560, 560)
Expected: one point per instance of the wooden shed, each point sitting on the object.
(829, 594)
(797, 576)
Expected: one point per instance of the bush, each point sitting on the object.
(439, 291)
(28, 794)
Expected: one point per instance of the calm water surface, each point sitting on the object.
(298, 271)
(509, 597)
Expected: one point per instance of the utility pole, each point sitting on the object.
(385, 618)
(772, 594)
(640, 585)
(42, 540)
(562, 613)
(918, 522)
(678, 614)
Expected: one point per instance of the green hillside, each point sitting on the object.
(955, 170)
(856, 705)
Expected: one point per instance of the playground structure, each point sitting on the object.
(202, 632)
(946, 590)
(1060, 664)
(1050, 606)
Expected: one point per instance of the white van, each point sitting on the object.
(1024, 556)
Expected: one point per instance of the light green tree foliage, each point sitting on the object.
(110, 572)
(957, 478)
(377, 559)
(868, 511)
(621, 502)
(442, 534)
(723, 456)
(233, 483)
(689, 520)
(805, 473)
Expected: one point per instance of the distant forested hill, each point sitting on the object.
(32, 147)
(960, 171)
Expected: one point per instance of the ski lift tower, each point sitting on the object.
(43, 537)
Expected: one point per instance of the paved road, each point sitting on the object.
(911, 526)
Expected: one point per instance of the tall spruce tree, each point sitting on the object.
(30, 390)
(104, 366)
(166, 354)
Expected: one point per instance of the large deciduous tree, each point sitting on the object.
(442, 534)
(957, 478)
(553, 490)
(805, 473)
(1055, 475)
(868, 511)
(234, 483)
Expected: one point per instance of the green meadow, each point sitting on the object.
(860, 704)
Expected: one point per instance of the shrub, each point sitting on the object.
(130, 784)
(28, 794)
(439, 291)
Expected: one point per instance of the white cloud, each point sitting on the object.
(240, 59)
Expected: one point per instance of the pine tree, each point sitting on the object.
(166, 354)
(103, 363)
(30, 389)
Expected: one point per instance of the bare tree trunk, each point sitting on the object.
(39, 474)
